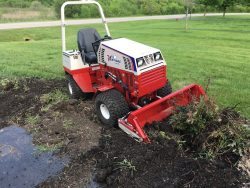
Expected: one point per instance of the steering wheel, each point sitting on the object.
(97, 43)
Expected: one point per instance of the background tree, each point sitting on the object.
(225, 4)
(70, 11)
(207, 3)
(113, 8)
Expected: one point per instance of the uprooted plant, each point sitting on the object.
(192, 119)
(125, 165)
(211, 132)
(50, 99)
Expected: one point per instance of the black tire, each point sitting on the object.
(116, 105)
(166, 90)
(74, 90)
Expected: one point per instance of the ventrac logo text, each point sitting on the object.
(113, 58)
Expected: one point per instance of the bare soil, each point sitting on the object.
(107, 155)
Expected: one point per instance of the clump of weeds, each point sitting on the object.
(43, 148)
(32, 119)
(8, 84)
(68, 124)
(125, 165)
(192, 119)
(211, 132)
(50, 99)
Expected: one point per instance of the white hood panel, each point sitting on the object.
(129, 47)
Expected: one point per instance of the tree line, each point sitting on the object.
(222, 5)
(114, 8)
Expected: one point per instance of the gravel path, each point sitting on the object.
(22, 25)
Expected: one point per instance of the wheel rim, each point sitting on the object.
(104, 110)
(70, 89)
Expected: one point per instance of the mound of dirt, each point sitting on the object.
(106, 155)
(122, 162)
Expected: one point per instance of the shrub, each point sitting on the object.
(36, 5)
(16, 3)
(70, 11)
(193, 118)
(211, 132)
(172, 8)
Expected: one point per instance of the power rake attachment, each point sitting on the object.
(158, 110)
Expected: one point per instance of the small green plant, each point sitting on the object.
(32, 120)
(7, 84)
(46, 108)
(25, 87)
(206, 154)
(51, 99)
(57, 115)
(125, 165)
(48, 148)
(68, 124)
(164, 135)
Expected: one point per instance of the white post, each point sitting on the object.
(80, 3)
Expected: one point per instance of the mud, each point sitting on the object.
(68, 128)
(107, 157)
(21, 163)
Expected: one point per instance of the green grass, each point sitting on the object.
(213, 48)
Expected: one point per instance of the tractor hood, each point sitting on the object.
(129, 47)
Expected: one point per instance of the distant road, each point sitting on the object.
(22, 25)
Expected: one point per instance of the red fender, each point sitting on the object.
(82, 78)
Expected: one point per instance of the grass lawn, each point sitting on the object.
(214, 48)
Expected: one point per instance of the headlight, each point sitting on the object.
(158, 56)
(140, 62)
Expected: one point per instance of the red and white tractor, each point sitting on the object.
(128, 78)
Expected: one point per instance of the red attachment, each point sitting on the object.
(159, 110)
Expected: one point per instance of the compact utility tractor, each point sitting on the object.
(127, 78)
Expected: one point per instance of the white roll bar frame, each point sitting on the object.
(81, 2)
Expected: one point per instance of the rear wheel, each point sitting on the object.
(110, 106)
(166, 90)
(74, 90)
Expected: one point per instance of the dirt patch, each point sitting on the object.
(20, 97)
(122, 162)
(67, 127)
(107, 155)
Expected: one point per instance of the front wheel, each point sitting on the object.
(166, 90)
(110, 106)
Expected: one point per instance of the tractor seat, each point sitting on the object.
(85, 38)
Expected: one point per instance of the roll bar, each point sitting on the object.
(81, 2)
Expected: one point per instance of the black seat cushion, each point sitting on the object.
(85, 38)
(90, 57)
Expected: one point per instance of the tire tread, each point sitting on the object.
(116, 104)
(166, 90)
